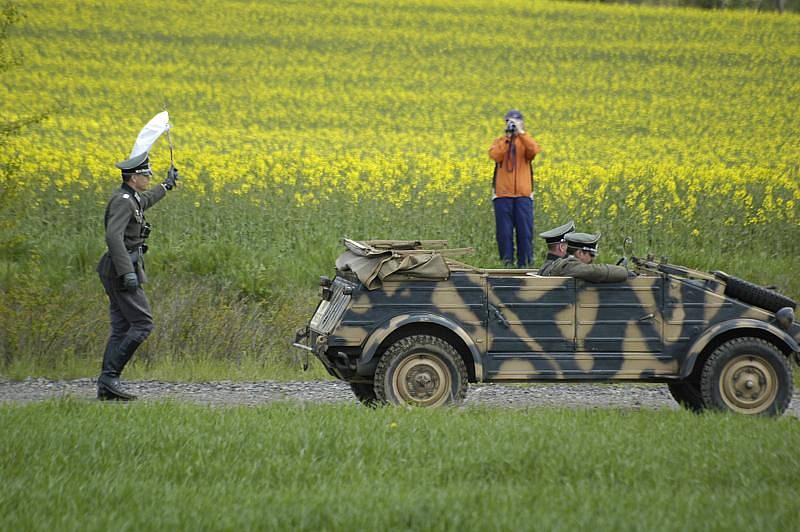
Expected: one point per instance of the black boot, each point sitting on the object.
(114, 360)
(102, 393)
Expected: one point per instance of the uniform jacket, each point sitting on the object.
(124, 220)
(513, 180)
(547, 265)
(570, 266)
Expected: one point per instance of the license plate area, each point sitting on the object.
(329, 313)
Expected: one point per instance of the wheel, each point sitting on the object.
(421, 370)
(687, 394)
(755, 295)
(365, 393)
(748, 376)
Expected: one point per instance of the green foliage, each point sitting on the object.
(205, 329)
(9, 16)
(71, 465)
(11, 57)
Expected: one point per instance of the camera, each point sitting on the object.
(511, 127)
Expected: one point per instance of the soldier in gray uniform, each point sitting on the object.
(582, 248)
(556, 245)
(122, 272)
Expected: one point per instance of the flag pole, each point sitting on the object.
(169, 140)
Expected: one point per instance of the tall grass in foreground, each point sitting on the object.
(70, 465)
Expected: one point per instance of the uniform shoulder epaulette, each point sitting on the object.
(124, 197)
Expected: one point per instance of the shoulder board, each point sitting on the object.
(125, 198)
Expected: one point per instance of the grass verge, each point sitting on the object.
(71, 465)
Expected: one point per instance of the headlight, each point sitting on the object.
(785, 318)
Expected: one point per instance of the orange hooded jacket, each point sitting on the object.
(513, 179)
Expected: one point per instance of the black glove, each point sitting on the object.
(172, 178)
(130, 282)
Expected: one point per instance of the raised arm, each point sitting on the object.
(600, 273)
(499, 149)
(152, 196)
(532, 149)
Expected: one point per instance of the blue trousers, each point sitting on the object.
(512, 214)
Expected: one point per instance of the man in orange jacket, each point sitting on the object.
(512, 190)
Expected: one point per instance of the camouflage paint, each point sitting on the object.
(523, 327)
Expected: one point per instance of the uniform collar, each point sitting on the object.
(127, 188)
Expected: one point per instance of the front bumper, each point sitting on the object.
(336, 362)
(311, 342)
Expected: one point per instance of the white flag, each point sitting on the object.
(150, 133)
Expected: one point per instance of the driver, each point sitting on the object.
(579, 262)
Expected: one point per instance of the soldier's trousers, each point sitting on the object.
(129, 311)
(510, 215)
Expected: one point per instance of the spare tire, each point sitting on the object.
(755, 295)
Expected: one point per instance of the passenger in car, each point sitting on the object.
(556, 245)
(582, 249)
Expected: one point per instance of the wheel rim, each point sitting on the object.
(749, 384)
(422, 380)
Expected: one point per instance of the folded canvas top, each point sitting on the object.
(372, 266)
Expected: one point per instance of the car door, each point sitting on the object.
(619, 329)
(531, 326)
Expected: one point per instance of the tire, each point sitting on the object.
(747, 376)
(421, 371)
(365, 393)
(755, 295)
(687, 394)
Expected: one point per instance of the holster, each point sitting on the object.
(106, 270)
(137, 258)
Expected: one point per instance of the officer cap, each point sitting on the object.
(583, 241)
(513, 113)
(138, 164)
(555, 236)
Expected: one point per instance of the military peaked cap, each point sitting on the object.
(583, 241)
(556, 236)
(513, 113)
(139, 164)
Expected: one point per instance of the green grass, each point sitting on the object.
(205, 330)
(71, 465)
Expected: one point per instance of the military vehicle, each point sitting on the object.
(404, 322)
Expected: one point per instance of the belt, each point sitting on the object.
(142, 248)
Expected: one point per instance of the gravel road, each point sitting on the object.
(652, 396)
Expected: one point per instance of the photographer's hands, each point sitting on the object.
(515, 126)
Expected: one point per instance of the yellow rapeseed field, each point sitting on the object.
(676, 125)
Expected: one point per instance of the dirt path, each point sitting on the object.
(255, 393)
